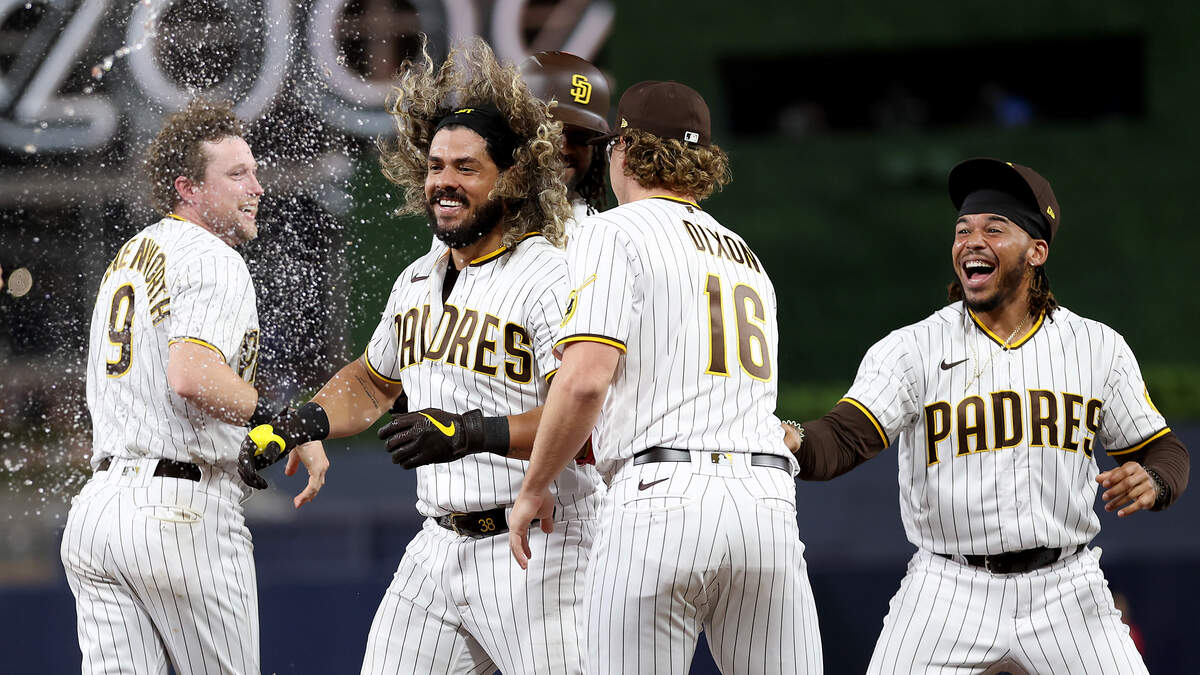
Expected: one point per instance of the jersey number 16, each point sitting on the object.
(751, 319)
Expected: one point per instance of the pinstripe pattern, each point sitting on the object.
(996, 454)
(953, 618)
(462, 605)
(714, 547)
(162, 568)
(649, 293)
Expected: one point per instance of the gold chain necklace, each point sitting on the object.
(1004, 348)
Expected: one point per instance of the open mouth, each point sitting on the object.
(976, 272)
(448, 205)
(249, 210)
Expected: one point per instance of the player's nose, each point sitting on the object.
(256, 188)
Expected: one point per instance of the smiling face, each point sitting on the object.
(459, 176)
(993, 259)
(576, 155)
(226, 201)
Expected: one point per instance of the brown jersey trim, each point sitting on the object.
(488, 257)
(841, 440)
(996, 338)
(376, 373)
(1168, 457)
(874, 420)
(198, 341)
(1139, 446)
(588, 337)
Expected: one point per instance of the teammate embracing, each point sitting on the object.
(467, 336)
(669, 339)
(997, 404)
(156, 548)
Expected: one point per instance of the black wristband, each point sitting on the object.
(1161, 492)
(263, 412)
(313, 423)
(495, 435)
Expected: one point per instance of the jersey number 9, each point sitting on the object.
(120, 330)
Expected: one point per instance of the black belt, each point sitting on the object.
(1018, 562)
(674, 455)
(477, 524)
(166, 468)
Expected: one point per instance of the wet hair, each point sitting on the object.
(671, 164)
(1041, 298)
(531, 188)
(178, 150)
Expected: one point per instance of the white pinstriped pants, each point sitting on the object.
(162, 568)
(949, 617)
(463, 605)
(713, 547)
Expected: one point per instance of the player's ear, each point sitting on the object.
(1037, 253)
(186, 188)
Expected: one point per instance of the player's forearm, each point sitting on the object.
(567, 420)
(522, 431)
(836, 443)
(1168, 458)
(199, 376)
(354, 398)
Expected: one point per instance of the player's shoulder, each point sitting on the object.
(1065, 321)
(533, 256)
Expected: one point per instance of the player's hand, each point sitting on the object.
(317, 463)
(261, 448)
(433, 436)
(268, 443)
(528, 508)
(1129, 486)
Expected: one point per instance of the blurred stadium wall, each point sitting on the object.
(841, 120)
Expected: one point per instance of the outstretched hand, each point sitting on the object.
(317, 463)
(1128, 486)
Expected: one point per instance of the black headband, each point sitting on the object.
(1004, 204)
(486, 121)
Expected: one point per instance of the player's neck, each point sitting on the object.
(634, 191)
(461, 257)
(1011, 320)
(194, 216)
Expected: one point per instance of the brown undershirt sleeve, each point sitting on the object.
(1168, 457)
(841, 440)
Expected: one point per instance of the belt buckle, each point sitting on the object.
(454, 523)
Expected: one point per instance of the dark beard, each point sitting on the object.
(1009, 285)
(484, 221)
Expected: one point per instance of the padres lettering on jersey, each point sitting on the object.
(691, 306)
(993, 442)
(487, 346)
(172, 282)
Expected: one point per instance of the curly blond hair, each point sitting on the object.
(178, 150)
(471, 76)
(673, 165)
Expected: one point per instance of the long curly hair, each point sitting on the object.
(177, 150)
(673, 165)
(471, 76)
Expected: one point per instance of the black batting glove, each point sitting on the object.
(433, 436)
(268, 443)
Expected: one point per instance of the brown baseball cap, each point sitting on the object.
(1021, 182)
(580, 88)
(666, 109)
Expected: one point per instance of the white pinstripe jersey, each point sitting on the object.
(173, 281)
(488, 347)
(1003, 461)
(692, 308)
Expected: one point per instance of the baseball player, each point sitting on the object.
(669, 340)
(581, 95)
(156, 549)
(467, 336)
(998, 404)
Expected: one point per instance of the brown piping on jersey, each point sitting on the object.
(841, 440)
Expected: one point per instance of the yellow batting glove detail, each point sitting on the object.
(263, 436)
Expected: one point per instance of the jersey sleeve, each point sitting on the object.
(1128, 419)
(884, 388)
(545, 319)
(211, 304)
(604, 297)
(383, 351)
